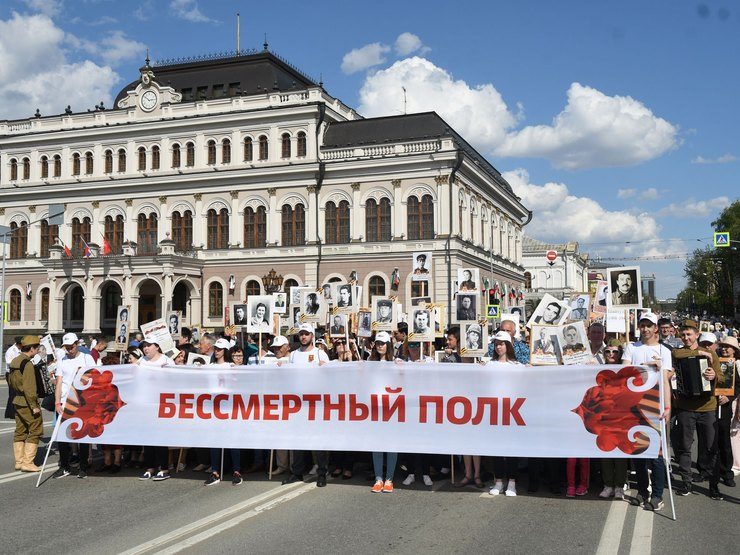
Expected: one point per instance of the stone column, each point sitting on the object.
(399, 212)
(129, 227)
(34, 234)
(443, 205)
(357, 216)
(274, 224)
(236, 222)
(311, 231)
(96, 229)
(164, 226)
(199, 237)
(92, 308)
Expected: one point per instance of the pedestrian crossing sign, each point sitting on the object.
(492, 311)
(722, 239)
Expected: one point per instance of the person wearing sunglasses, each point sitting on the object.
(613, 352)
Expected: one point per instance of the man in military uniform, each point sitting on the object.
(29, 424)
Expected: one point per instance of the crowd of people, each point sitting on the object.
(712, 419)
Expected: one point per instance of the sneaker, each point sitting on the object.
(161, 476)
(511, 489)
(619, 494)
(181, 466)
(714, 493)
(729, 481)
(570, 492)
(236, 479)
(410, 479)
(683, 489)
(496, 489)
(146, 476)
(200, 467)
(213, 479)
(81, 474)
(388, 487)
(444, 470)
(581, 490)
(427, 480)
(607, 492)
(61, 473)
(377, 487)
(655, 504)
(314, 470)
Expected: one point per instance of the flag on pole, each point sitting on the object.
(88, 253)
(67, 252)
(106, 246)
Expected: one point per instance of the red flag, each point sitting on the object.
(66, 249)
(106, 246)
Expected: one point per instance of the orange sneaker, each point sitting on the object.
(378, 487)
(388, 487)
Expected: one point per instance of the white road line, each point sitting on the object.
(613, 527)
(263, 502)
(642, 536)
(17, 475)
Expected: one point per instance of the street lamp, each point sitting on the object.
(272, 281)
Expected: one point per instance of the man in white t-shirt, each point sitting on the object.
(13, 351)
(650, 352)
(67, 368)
(307, 354)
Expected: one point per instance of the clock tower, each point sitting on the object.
(148, 96)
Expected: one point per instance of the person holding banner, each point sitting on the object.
(504, 466)
(383, 351)
(153, 355)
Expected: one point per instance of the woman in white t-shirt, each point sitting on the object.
(383, 351)
(156, 458)
(222, 353)
(153, 355)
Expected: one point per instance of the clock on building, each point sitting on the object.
(148, 101)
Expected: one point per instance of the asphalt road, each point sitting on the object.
(117, 514)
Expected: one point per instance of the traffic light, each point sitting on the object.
(491, 296)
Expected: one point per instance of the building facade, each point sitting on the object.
(207, 174)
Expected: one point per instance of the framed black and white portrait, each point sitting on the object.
(544, 345)
(240, 314)
(468, 279)
(174, 323)
(280, 301)
(421, 266)
(344, 297)
(364, 323)
(573, 343)
(122, 327)
(384, 314)
(466, 307)
(313, 307)
(259, 314)
(337, 325)
(579, 306)
(473, 339)
(550, 312)
(421, 327)
(625, 288)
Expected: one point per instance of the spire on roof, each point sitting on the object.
(265, 46)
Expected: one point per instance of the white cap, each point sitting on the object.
(649, 316)
(305, 327)
(383, 336)
(502, 336)
(707, 337)
(70, 339)
(279, 341)
(222, 343)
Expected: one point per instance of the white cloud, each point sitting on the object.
(724, 159)
(408, 43)
(116, 47)
(649, 194)
(595, 130)
(144, 11)
(363, 58)
(562, 216)
(626, 193)
(189, 11)
(47, 7)
(692, 208)
(478, 113)
(36, 72)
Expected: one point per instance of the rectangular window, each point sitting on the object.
(202, 93)
(187, 94)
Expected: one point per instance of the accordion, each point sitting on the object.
(689, 380)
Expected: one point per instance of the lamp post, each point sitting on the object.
(272, 281)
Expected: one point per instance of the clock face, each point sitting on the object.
(148, 101)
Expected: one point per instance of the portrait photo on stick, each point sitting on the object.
(550, 312)
(625, 288)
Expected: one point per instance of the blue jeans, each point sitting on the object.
(658, 476)
(391, 459)
(236, 459)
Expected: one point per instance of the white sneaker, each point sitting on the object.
(619, 494)
(444, 470)
(427, 480)
(607, 492)
(410, 479)
(314, 470)
(511, 489)
(180, 467)
(496, 489)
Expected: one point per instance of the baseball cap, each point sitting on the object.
(320, 341)
(502, 336)
(305, 327)
(383, 336)
(222, 343)
(651, 316)
(707, 337)
(69, 339)
(279, 341)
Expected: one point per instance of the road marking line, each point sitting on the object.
(17, 475)
(613, 527)
(210, 520)
(642, 536)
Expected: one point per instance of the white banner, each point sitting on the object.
(506, 410)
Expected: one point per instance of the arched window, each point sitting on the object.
(57, 165)
(108, 161)
(48, 234)
(182, 230)
(121, 160)
(142, 158)
(44, 304)
(301, 144)
(88, 163)
(147, 234)
(26, 168)
(255, 228)
(263, 147)
(13, 169)
(378, 220)
(253, 288)
(420, 218)
(114, 233)
(285, 143)
(190, 155)
(226, 151)
(176, 156)
(376, 286)
(18, 240)
(76, 163)
(337, 223)
(80, 233)
(14, 312)
(215, 300)
(528, 280)
(44, 167)
(248, 149)
(218, 229)
(294, 225)
(211, 152)
(155, 157)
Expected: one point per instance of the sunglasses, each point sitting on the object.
(611, 351)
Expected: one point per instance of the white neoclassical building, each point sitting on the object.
(208, 173)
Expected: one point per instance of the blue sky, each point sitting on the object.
(614, 121)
